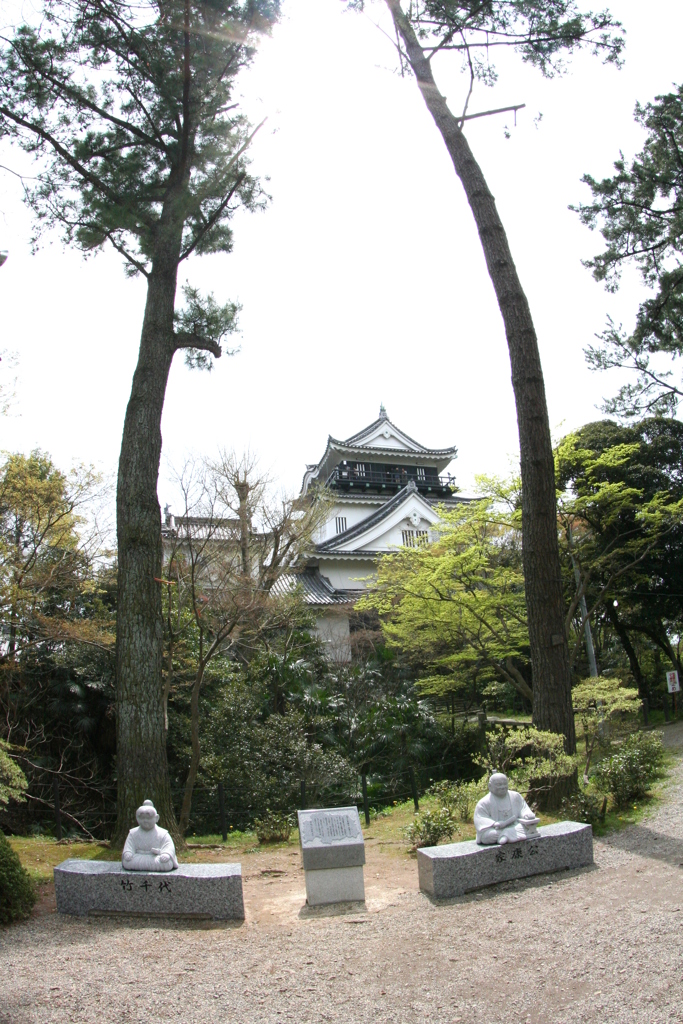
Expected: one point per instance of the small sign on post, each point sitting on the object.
(672, 683)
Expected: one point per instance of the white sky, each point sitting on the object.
(364, 280)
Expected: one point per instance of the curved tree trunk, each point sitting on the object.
(142, 769)
(552, 706)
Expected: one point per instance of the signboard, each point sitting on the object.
(672, 682)
(331, 838)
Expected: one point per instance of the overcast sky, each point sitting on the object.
(363, 282)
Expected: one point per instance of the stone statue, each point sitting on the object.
(503, 816)
(148, 847)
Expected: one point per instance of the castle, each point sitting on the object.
(384, 490)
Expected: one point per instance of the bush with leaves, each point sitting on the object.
(535, 762)
(17, 893)
(12, 780)
(459, 797)
(629, 773)
(599, 702)
(584, 806)
(259, 755)
(273, 828)
(525, 754)
(428, 827)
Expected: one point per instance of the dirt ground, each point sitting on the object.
(597, 945)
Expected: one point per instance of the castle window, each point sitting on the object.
(340, 523)
(420, 473)
(415, 538)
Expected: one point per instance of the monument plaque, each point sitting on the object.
(333, 853)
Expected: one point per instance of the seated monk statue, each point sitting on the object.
(148, 847)
(503, 816)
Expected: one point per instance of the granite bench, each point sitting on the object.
(457, 868)
(192, 890)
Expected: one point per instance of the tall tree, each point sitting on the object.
(623, 496)
(228, 589)
(542, 32)
(638, 212)
(128, 109)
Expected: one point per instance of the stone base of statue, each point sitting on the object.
(446, 871)
(200, 891)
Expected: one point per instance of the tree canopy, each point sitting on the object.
(639, 212)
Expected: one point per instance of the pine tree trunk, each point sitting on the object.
(552, 706)
(142, 770)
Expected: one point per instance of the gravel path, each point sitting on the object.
(599, 945)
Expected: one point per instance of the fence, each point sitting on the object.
(217, 811)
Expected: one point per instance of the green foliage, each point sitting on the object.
(638, 212)
(459, 797)
(262, 755)
(428, 827)
(542, 32)
(629, 773)
(526, 754)
(272, 827)
(599, 699)
(203, 320)
(17, 892)
(57, 628)
(12, 780)
(584, 806)
(457, 606)
(621, 510)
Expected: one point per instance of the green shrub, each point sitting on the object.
(459, 797)
(629, 773)
(17, 893)
(273, 827)
(583, 806)
(12, 779)
(428, 827)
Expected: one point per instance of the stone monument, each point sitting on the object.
(148, 847)
(333, 853)
(149, 880)
(503, 816)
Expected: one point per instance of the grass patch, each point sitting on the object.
(41, 854)
(388, 827)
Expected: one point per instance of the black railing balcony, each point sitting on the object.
(367, 477)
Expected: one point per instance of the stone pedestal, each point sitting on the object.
(333, 853)
(453, 870)
(192, 890)
(334, 885)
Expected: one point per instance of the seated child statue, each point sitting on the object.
(148, 847)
